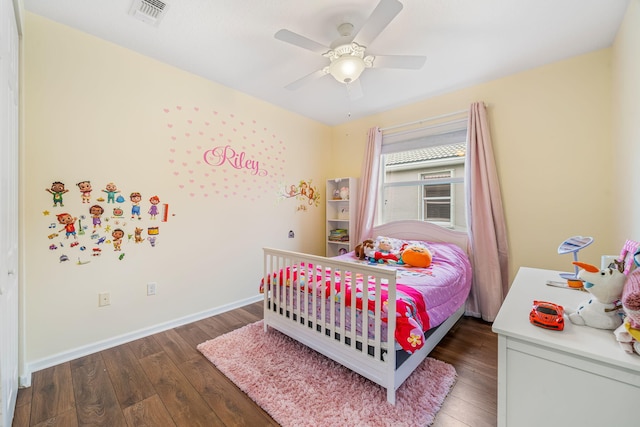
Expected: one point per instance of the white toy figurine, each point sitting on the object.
(600, 311)
(344, 193)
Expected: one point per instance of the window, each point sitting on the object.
(422, 177)
(436, 198)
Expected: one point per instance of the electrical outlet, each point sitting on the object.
(104, 299)
(151, 288)
(606, 260)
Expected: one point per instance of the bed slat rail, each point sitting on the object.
(295, 305)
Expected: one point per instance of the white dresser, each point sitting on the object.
(576, 377)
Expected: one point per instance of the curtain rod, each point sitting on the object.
(421, 121)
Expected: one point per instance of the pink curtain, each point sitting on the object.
(368, 188)
(487, 228)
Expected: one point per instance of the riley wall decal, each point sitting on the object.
(215, 154)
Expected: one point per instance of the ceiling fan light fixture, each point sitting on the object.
(347, 68)
(347, 62)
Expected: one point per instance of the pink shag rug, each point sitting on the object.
(299, 387)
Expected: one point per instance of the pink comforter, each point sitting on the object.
(425, 297)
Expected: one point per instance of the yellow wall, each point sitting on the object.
(96, 111)
(551, 131)
(626, 132)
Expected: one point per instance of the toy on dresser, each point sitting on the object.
(628, 334)
(605, 286)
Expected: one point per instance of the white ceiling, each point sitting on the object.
(466, 42)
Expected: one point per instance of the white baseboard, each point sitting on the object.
(56, 359)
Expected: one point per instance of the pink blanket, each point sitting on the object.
(425, 297)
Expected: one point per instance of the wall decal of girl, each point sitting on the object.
(153, 210)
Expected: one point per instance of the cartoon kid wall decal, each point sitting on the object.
(111, 191)
(96, 212)
(69, 224)
(83, 233)
(57, 190)
(117, 235)
(153, 210)
(135, 208)
(85, 191)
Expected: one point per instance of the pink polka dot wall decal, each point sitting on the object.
(226, 145)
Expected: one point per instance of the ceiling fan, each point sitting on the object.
(347, 53)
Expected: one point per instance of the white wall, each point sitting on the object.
(99, 112)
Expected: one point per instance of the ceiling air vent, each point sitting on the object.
(149, 11)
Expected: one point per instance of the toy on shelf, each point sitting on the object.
(573, 245)
(344, 193)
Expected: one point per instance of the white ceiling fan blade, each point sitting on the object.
(297, 84)
(300, 41)
(408, 62)
(381, 16)
(354, 90)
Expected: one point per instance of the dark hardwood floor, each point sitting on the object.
(162, 380)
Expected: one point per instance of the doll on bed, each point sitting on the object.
(385, 252)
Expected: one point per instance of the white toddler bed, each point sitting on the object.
(310, 298)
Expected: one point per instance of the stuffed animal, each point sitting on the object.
(344, 193)
(605, 286)
(416, 256)
(384, 252)
(362, 248)
(628, 334)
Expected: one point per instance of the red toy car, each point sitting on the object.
(547, 315)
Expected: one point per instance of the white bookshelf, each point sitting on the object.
(340, 213)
